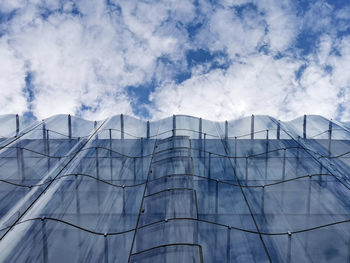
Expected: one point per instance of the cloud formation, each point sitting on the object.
(218, 60)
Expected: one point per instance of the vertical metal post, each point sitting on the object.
(263, 201)
(121, 126)
(329, 138)
(226, 130)
(110, 154)
(69, 126)
(228, 248)
(48, 142)
(204, 142)
(17, 125)
(110, 139)
(267, 142)
(48, 150)
(267, 153)
(278, 130)
(141, 156)
(209, 172)
(298, 157)
(174, 125)
(304, 127)
(148, 128)
(123, 200)
(141, 142)
(44, 138)
(235, 152)
(97, 164)
(252, 127)
(77, 207)
(106, 247)
(20, 163)
(289, 249)
(44, 131)
(284, 165)
(200, 128)
(95, 127)
(216, 215)
(45, 252)
(298, 154)
(308, 206)
(98, 177)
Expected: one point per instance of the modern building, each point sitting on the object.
(181, 189)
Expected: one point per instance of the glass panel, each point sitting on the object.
(178, 189)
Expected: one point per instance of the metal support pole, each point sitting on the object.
(267, 142)
(48, 149)
(121, 126)
(44, 138)
(106, 247)
(263, 201)
(200, 128)
(209, 175)
(97, 164)
(252, 127)
(204, 144)
(95, 127)
(174, 125)
(69, 126)
(226, 130)
(235, 152)
(289, 251)
(110, 139)
(110, 154)
(44, 131)
(329, 138)
(298, 151)
(228, 248)
(17, 125)
(20, 163)
(320, 172)
(123, 200)
(148, 128)
(48, 142)
(284, 165)
(141, 142)
(304, 127)
(267, 153)
(278, 130)
(44, 240)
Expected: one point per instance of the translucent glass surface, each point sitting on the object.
(179, 189)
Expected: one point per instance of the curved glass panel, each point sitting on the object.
(182, 188)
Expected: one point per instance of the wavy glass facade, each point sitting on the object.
(181, 189)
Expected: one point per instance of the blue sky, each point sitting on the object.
(151, 59)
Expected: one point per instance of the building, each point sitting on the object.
(181, 189)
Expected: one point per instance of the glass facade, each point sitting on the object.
(181, 189)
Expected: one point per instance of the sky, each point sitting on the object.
(218, 60)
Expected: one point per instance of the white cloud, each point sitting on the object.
(12, 80)
(258, 86)
(281, 22)
(88, 60)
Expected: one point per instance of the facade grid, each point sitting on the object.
(180, 189)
